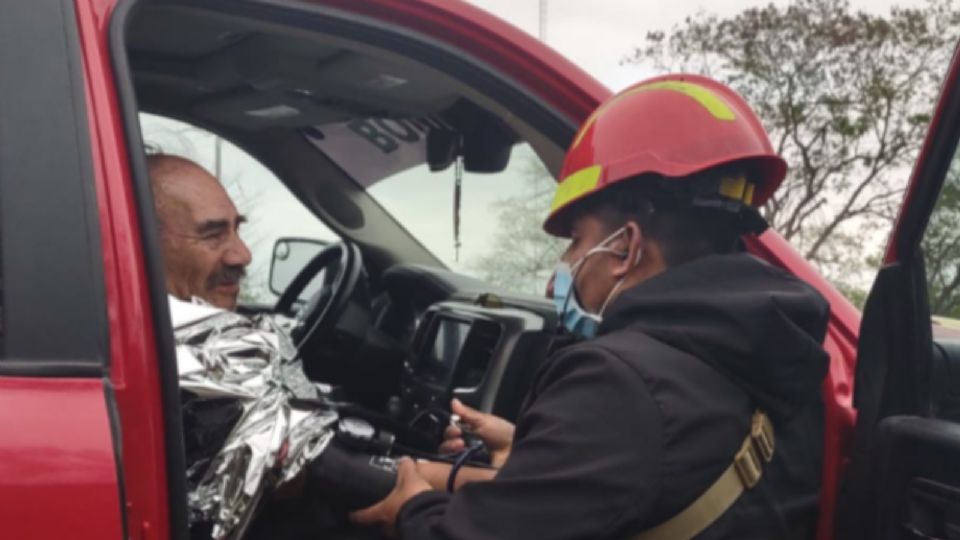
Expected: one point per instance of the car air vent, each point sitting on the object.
(479, 349)
(422, 329)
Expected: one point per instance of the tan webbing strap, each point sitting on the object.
(744, 473)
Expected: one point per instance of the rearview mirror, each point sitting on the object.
(443, 147)
(290, 255)
(487, 147)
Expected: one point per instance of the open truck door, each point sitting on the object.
(904, 480)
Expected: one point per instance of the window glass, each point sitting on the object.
(941, 250)
(52, 289)
(272, 211)
(501, 239)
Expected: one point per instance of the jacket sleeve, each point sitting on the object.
(585, 462)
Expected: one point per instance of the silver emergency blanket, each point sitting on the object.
(222, 355)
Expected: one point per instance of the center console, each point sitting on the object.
(461, 350)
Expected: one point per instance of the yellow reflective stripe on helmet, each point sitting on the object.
(748, 194)
(733, 188)
(710, 101)
(737, 187)
(575, 185)
(715, 105)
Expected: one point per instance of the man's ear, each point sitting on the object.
(632, 247)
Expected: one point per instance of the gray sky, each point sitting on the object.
(596, 34)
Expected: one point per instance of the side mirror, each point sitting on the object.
(290, 255)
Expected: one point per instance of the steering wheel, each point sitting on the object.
(342, 265)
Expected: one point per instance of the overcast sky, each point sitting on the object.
(597, 34)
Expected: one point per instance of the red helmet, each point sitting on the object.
(671, 126)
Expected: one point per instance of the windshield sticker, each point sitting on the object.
(385, 82)
(275, 112)
(371, 149)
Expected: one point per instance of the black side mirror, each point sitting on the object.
(290, 255)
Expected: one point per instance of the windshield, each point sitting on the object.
(500, 239)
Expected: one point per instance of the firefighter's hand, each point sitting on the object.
(384, 513)
(435, 473)
(495, 432)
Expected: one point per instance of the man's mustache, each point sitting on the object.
(228, 275)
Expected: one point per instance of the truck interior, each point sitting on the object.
(391, 327)
(272, 88)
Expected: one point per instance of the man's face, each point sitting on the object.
(203, 252)
(596, 276)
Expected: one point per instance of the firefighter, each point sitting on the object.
(690, 406)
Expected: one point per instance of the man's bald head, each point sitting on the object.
(203, 254)
(169, 175)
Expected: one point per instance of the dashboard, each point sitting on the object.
(463, 339)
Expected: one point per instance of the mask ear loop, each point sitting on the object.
(619, 284)
(575, 268)
(602, 246)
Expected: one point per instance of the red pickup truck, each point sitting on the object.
(91, 441)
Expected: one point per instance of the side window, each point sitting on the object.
(53, 300)
(941, 250)
(272, 211)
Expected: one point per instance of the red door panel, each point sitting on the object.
(904, 481)
(134, 367)
(58, 472)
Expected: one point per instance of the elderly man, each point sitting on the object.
(240, 377)
(203, 253)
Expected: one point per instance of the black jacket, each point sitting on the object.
(622, 432)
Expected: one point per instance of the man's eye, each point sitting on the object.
(213, 236)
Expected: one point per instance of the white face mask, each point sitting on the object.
(574, 317)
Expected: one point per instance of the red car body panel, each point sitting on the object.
(75, 412)
(58, 473)
(133, 355)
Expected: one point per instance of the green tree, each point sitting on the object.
(524, 255)
(845, 96)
